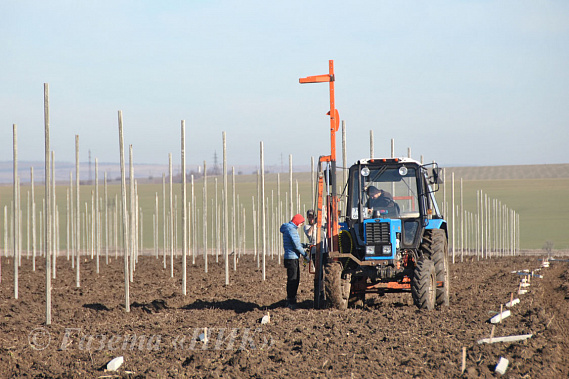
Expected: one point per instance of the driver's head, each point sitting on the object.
(373, 191)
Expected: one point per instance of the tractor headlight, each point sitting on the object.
(370, 250)
(386, 249)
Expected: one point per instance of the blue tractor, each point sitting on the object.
(392, 237)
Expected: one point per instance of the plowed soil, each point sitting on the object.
(389, 337)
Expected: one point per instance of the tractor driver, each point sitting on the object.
(378, 198)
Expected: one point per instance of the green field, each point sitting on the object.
(541, 204)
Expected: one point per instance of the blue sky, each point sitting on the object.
(459, 82)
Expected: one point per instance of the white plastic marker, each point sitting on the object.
(114, 364)
(505, 339)
(500, 316)
(511, 303)
(502, 366)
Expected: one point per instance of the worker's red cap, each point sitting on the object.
(297, 219)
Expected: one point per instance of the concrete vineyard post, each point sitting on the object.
(371, 143)
(55, 238)
(279, 202)
(171, 198)
(184, 213)
(344, 161)
(140, 234)
(215, 222)
(131, 213)
(77, 217)
(86, 242)
(53, 209)
(244, 231)
(444, 192)
(289, 187)
(106, 222)
(204, 231)
(225, 212)
(193, 213)
(495, 226)
(124, 217)
(478, 225)
(465, 238)
(270, 224)
(67, 224)
(16, 210)
(518, 233)
(486, 226)
(19, 222)
(28, 227)
(393, 156)
(6, 230)
(254, 215)
(258, 219)
(116, 226)
(513, 232)
(175, 225)
(47, 226)
(164, 219)
(237, 227)
(213, 228)
(461, 213)
(71, 221)
(96, 212)
(482, 222)
(233, 250)
(216, 229)
(91, 224)
(297, 197)
(33, 219)
(156, 225)
(453, 216)
(263, 215)
(312, 178)
(189, 216)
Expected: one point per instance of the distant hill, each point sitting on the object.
(545, 171)
(153, 172)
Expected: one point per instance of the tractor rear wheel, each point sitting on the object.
(336, 288)
(424, 284)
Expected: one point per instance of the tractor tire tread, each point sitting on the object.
(422, 284)
(337, 290)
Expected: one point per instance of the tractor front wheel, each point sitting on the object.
(435, 246)
(336, 288)
(424, 284)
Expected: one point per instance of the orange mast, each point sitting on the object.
(334, 126)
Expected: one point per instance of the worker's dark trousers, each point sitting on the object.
(293, 279)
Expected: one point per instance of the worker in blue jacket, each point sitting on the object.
(293, 250)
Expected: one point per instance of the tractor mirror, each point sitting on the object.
(437, 179)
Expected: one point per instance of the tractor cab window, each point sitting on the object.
(384, 192)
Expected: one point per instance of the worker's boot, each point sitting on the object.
(291, 303)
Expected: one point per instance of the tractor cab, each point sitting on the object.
(393, 196)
